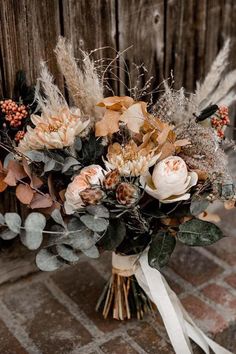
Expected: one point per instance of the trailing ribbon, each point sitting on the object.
(179, 325)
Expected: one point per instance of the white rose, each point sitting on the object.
(170, 180)
(88, 176)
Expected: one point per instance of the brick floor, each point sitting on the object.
(53, 313)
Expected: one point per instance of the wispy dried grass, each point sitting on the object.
(52, 98)
(205, 90)
(83, 83)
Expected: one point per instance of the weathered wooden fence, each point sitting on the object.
(179, 35)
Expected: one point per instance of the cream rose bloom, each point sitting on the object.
(90, 175)
(170, 180)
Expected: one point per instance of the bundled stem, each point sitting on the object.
(123, 298)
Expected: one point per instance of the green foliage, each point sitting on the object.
(199, 204)
(32, 237)
(199, 233)
(47, 261)
(161, 248)
(114, 235)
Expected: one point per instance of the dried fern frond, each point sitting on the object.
(52, 98)
(204, 91)
(83, 84)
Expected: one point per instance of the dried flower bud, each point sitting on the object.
(91, 196)
(112, 179)
(127, 194)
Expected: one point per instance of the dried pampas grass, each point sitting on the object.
(83, 84)
(52, 97)
(204, 94)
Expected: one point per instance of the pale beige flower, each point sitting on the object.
(53, 130)
(131, 160)
(170, 180)
(88, 176)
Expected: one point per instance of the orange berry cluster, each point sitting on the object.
(14, 113)
(220, 120)
(19, 135)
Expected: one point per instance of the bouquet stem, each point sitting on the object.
(123, 298)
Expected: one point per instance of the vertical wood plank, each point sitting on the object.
(90, 25)
(28, 33)
(141, 25)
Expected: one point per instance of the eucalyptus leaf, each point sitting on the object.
(227, 191)
(199, 233)
(33, 235)
(93, 223)
(8, 158)
(67, 253)
(69, 162)
(98, 210)
(47, 261)
(8, 234)
(81, 240)
(91, 252)
(198, 205)
(13, 221)
(35, 155)
(161, 248)
(114, 235)
(57, 217)
(78, 144)
(31, 239)
(49, 165)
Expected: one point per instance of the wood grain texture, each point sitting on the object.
(28, 33)
(141, 29)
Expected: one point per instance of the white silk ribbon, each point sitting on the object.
(179, 325)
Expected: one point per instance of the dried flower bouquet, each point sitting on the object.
(119, 174)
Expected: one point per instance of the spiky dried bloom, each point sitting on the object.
(83, 84)
(173, 106)
(204, 153)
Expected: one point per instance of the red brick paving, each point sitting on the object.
(56, 311)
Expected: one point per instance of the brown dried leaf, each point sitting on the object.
(116, 103)
(109, 124)
(35, 182)
(168, 149)
(162, 137)
(24, 193)
(15, 173)
(41, 201)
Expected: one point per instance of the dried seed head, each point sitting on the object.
(127, 194)
(92, 196)
(112, 179)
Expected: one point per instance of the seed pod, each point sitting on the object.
(91, 196)
(127, 194)
(112, 179)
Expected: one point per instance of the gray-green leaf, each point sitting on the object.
(13, 221)
(198, 205)
(91, 252)
(69, 162)
(98, 210)
(94, 223)
(161, 248)
(199, 233)
(46, 261)
(33, 235)
(67, 253)
(8, 234)
(57, 217)
(114, 235)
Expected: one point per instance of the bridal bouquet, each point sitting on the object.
(121, 174)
